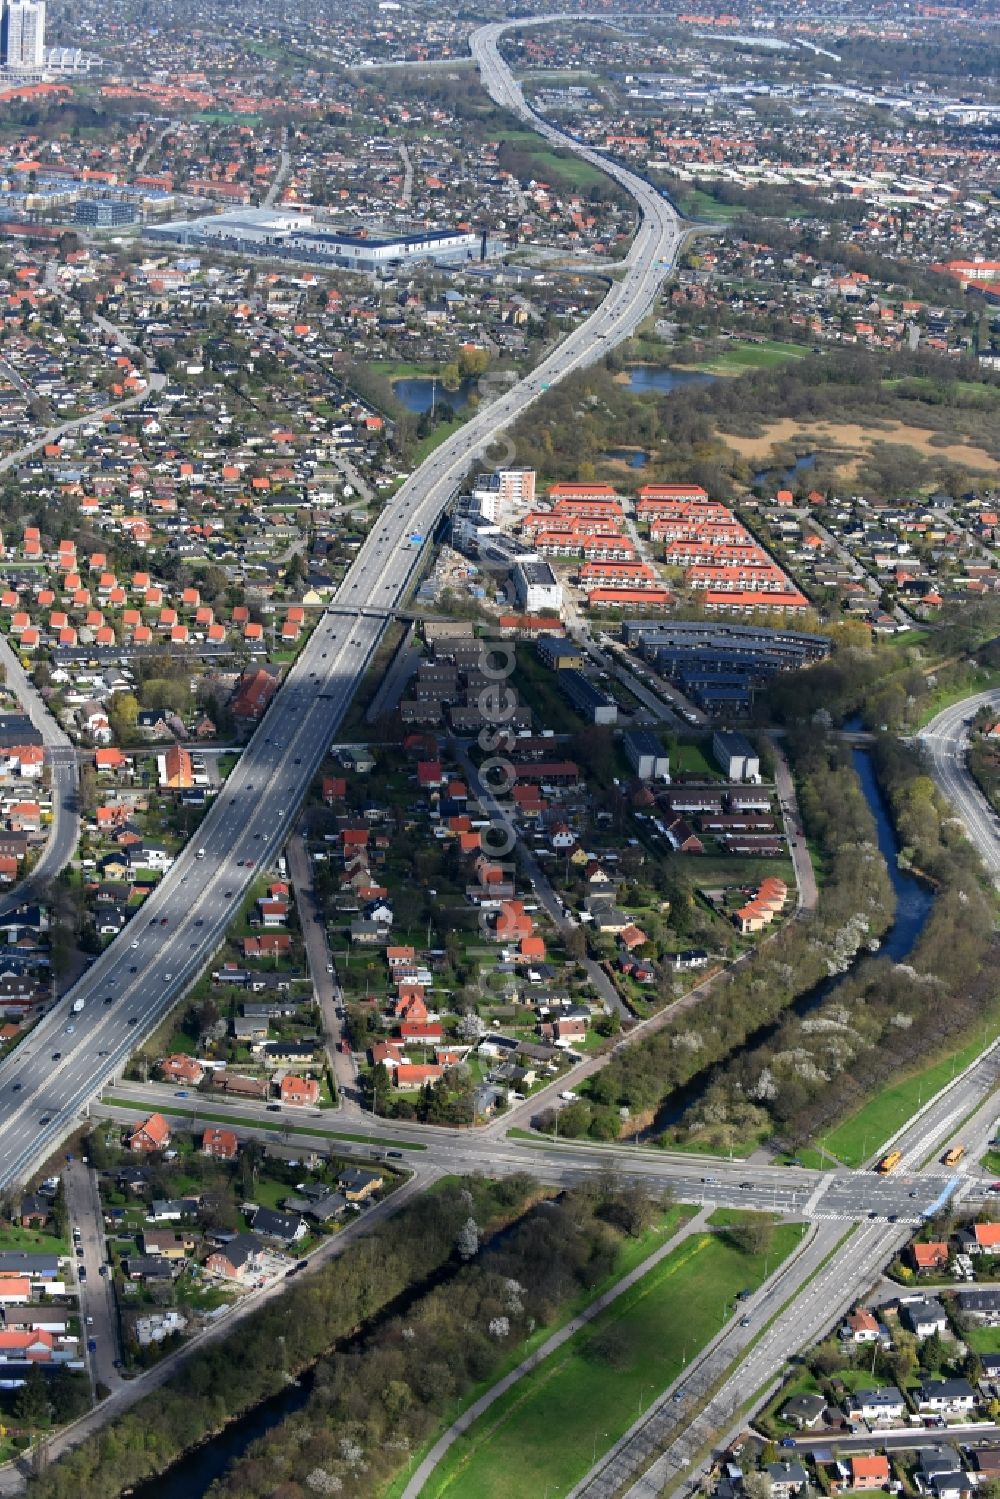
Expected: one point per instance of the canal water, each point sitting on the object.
(913, 897)
(913, 903)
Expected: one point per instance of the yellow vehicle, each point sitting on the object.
(889, 1162)
(953, 1156)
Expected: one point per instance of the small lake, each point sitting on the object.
(785, 477)
(643, 377)
(418, 392)
(634, 457)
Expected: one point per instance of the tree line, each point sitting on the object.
(377, 1402)
(285, 1335)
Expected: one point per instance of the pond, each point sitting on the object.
(417, 392)
(634, 457)
(643, 377)
(785, 477)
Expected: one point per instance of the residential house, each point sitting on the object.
(152, 1134)
(787, 1478)
(875, 1406)
(357, 1184)
(237, 1260)
(298, 1091)
(868, 1472)
(219, 1143)
(946, 1397)
(285, 1228)
(923, 1316)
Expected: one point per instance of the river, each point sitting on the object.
(913, 903)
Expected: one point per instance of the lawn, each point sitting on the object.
(740, 357)
(982, 1339)
(690, 759)
(14, 1237)
(863, 1133)
(591, 1390)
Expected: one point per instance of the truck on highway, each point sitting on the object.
(78, 1005)
(953, 1156)
(889, 1162)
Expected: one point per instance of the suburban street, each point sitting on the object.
(325, 986)
(97, 1303)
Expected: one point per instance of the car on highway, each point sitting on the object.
(56, 1055)
(181, 1093)
(133, 1020)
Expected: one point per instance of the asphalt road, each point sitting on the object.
(945, 743)
(60, 753)
(97, 1311)
(325, 986)
(65, 1061)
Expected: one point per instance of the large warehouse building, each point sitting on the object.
(295, 236)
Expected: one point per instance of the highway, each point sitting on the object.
(68, 1057)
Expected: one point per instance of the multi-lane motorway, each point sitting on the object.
(68, 1057)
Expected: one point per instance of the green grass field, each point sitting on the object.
(550, 1427)
(631, 1254)
(752, 357)
(982, 1339)
(692, 759)
(862, 1134)
(12, 1236)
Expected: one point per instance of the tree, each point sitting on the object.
(467, 1243)
(754, 1234)
(932, 1353)
(31, 1404)
(758, 1486)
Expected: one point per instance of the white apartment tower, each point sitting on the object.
(23, 34)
